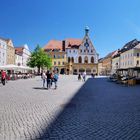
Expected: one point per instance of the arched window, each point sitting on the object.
(80, 59)
(86, 59)
(92, 59)
(72, 60)
(68, 59)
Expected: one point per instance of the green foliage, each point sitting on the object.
(39, 59)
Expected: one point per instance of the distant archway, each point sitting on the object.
(81, 70)
(88, 71)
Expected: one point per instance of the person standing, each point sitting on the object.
(55, 77)
(84, 76)
(44, 78)
(48, 79)
(3, 77)
(79, 77)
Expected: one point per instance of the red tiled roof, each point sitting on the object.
(57, 44)
(73, 42)
(53, 44)
(19, 50)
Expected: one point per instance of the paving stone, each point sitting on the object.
(94, 110)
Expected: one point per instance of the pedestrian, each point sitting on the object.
(79, 77)
(55, 77)
(48, 79)
(3, 77)
(52, 80)
(84, 76)
(43, 78)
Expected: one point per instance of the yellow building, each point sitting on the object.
(55, 51)
(10, 52)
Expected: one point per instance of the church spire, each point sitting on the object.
(86, 30)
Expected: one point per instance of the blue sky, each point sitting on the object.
(112, 23)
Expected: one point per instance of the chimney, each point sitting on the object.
(63, 45)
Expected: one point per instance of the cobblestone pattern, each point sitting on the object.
(26, 109)
(100, 110)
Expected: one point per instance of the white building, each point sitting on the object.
(22, 55)
(3, 54)
(82, 51)
(82, 55)
(128, 56)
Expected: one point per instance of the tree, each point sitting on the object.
(39, 59)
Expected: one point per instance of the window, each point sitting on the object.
(70, 51)
(86, 59)
(137, 62)
(84, 50)
(54, 63)
(81, 51)
(80, 59)
(68, 59)
(138, 54)
(74, 51)
(91, 51)
(72, 60)
(54, 56)
(63, 63)
(58, 62)
(92, 59)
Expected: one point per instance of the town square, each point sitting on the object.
(69, 70)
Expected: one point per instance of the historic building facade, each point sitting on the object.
(22, 55)
(127, 57)
(55, 50)
(3, 48)
(77, 55)
(10, 52)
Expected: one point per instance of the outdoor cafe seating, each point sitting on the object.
(129, 76)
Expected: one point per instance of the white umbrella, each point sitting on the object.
(9, 67)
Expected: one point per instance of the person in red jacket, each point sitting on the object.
(3, 77)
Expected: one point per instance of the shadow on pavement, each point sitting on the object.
(40, 88)
(99, 110)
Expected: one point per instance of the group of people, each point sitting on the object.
(82, 76)
(49, 78)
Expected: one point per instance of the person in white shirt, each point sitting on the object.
(44, 78)
(84, 76)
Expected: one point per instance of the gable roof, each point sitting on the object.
(130, 45)
(73, 43)
(53, 44)
(19, 50)
(57, 44)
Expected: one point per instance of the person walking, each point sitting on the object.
(3, 77)
(79, 77)
(48, 79)
(84, 76)
(44, 78)
(55, 77)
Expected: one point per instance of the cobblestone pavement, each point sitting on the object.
(99, 110)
